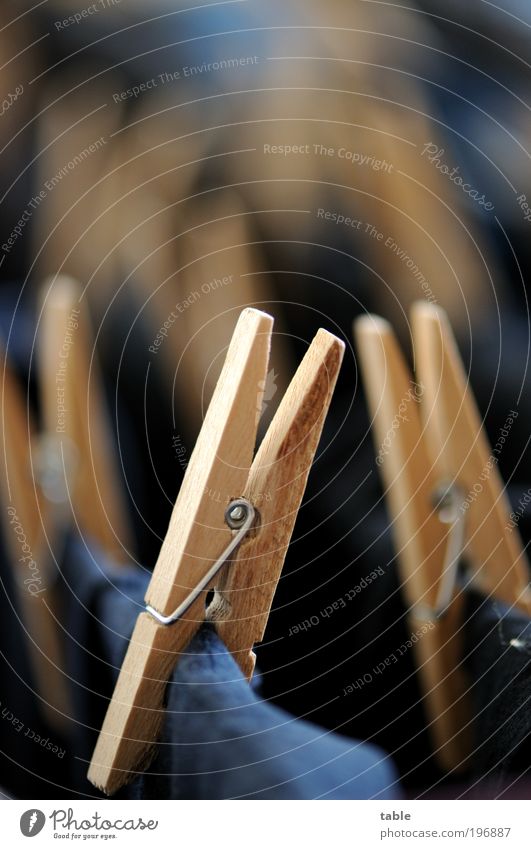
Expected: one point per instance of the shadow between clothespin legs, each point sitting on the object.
(276, 485)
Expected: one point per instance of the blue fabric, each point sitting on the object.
(219, 740)
(498, 659)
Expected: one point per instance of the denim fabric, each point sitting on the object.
(498, 658)
(220, 740)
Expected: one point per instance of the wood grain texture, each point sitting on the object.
(84, 431)
(276, 485)
(197, 535)
(460, 446)
(218, 468)
(410, 480)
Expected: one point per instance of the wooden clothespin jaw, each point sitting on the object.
(460, 450)
(429, 436)
(220, 472)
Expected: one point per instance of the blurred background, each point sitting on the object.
(184, 160)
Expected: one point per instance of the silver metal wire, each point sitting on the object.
(239, 516)
(447, 498)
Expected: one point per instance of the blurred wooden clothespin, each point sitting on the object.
(229, 531)
(60, 475)
(222, 271)
(77, 452)
(446, 501)
(34, 575)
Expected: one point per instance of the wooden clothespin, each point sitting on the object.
(77, 442)
(446, 500)
(34, 576)
(460, 448)
(222, 485)
(54, 477)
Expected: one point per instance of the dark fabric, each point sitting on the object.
(220, 740)
(27, 770)
(102, 603)
(498, 659)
